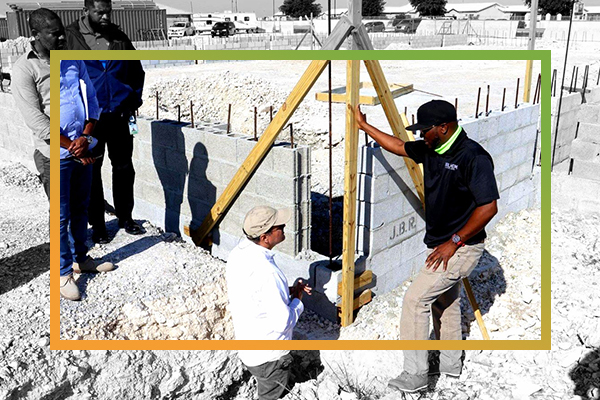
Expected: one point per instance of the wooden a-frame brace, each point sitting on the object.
(345, 28)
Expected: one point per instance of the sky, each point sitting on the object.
(265, 7)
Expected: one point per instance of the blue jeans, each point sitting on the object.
(75, 184)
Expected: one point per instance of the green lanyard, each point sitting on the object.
(446, 146)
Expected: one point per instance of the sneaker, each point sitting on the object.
(131, 227)
(90, 265)
(100, 236)
(68, 288)
(409, 383)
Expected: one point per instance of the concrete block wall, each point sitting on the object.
(181, 172)
(572, 112)
(391, 222)
(16, 139)
(585, 150)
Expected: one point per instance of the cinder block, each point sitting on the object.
(589, 133)
(502, 162)
(167, 135)
(496, 145)
(585, 151)
(221, 147)
(518, 191)
(488, 127)
(365, 160)
(285, 161)
(589, 113)
(521, 154)
(586, 170)
(388, 210)
(509, 178)
(145, 171)
(385, 162)
(507, 121)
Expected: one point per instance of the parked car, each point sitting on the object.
(375, 26)
(223, 29)
(181, 29)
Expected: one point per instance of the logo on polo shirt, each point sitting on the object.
(451, 167)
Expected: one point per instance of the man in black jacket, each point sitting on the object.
(119, 86)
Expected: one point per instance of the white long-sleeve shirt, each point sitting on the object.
(259, 301)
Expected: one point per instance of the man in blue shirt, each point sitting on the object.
(79, 112)
(119, 86)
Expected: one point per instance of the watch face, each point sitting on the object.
(455, 239)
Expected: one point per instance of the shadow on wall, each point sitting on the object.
(586, 377)
(202, 193)
(12, 273)
(172, 178)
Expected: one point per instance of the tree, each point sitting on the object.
(429, 8)
(552, 7)
(372, 8)
(300, 8)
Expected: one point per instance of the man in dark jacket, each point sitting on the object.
(119, 86)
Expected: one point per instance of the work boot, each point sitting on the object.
(409, 383)
(90, 265)
(131, 227)
(453, 372)
(68, 288)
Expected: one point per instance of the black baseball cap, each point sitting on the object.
(433, 113)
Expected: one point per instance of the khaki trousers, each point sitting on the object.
(436, 293)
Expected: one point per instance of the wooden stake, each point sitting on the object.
(350, 179)
(528, 77)
(476, 310)
(259, 151)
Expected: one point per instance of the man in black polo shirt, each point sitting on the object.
(460, 199)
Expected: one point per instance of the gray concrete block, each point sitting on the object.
(589, 133)
(589, 113)
(496, 145)
(502, 163)
(509, 178)
(507, 121)
(521, 154)
(285, 161)
(221, 147)
(518, 191)
(385, 162)
(389, 210)
(586, 170)
(488, 127)
(585, 151)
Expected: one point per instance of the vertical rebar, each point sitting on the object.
(456, 105)
(503, 98)
(477, 107)
(270, 112)
(487, 101)
(255, 128)
(562, 85)
(553, 84)
(405, 110)
(537, 87)
(178, 113)
(330, 171)
(572, 78)
(292, 135)
(229, 119)
(413, 118)
(517, 94)
(192, 112)
(157, 104)
(576, 76)
(598, 79)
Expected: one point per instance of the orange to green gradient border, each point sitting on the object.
(540, 55)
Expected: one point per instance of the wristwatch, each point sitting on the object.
(88, 138)
(457, 240)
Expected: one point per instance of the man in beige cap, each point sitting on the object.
(262, 305)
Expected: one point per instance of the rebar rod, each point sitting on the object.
(229, 119)
(517, 94)
(561, 86)
(192, 112)
(487, 101)
(330, 172)
(553, 84)
(292, 135)
(178, 113)
(477, 106)
(503, 98)
(157, 104)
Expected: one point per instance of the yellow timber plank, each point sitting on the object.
(350, 180)
(361, 300)
(391, 112)
(260, 150)
(359, 281)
